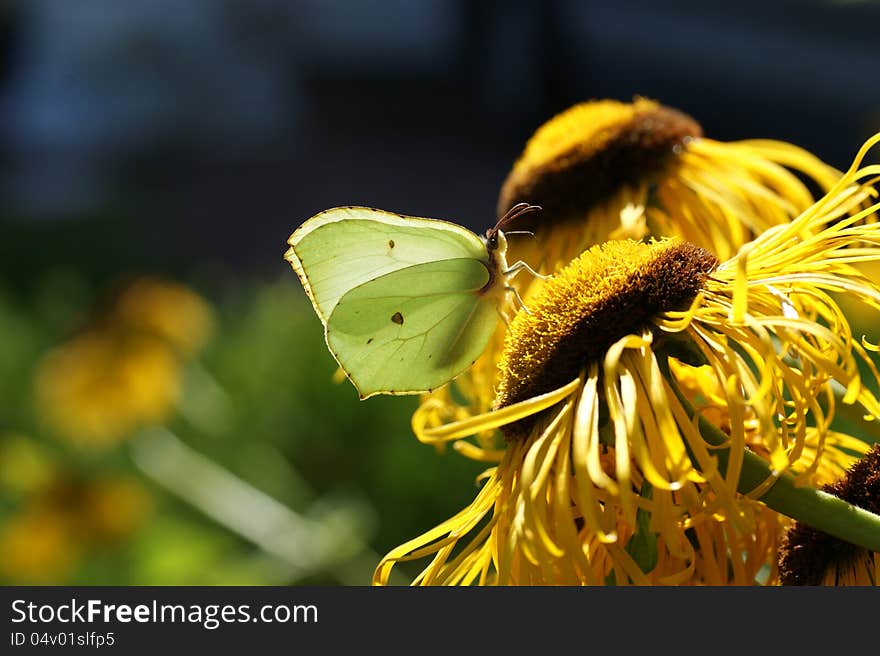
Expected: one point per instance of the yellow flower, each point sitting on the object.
(588, 163)
(810, 557)
(607, 474)
(167, 310)
(818, 466)
(610, 170)
(101, 386)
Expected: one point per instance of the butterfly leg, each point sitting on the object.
(519, 265)
(518, 298)
(503, 315)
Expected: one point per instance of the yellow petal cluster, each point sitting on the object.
(605, 477)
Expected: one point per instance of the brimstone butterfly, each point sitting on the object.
(407, 303)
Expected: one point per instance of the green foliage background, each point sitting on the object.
(259, 402)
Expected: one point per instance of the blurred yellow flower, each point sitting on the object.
(606, 476)
(44, 541)
(112, 509)
(37, 546)
(168, 310)
(100, 386)
(124, 371)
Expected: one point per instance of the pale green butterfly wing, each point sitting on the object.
(342, 248)
(414, 329)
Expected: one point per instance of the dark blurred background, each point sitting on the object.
(187, 140)
(209, 129)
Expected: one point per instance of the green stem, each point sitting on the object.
(824, 512)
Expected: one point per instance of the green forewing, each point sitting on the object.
(341, 249)
(413, 329)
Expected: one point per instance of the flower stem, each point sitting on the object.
(824, 512)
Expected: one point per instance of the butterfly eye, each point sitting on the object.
(492, 242)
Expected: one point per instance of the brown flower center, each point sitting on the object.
(610, 291)
(584, 155)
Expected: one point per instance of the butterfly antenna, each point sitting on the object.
(512, 215)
